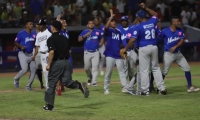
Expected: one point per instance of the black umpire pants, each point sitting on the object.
(59, 70)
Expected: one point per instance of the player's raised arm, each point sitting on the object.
(150, 11)
(109, 19)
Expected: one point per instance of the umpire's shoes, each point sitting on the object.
(145, 93)
(84, 89)
(48, 107)
(163, 92)
(16, 83)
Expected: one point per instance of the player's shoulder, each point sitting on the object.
(179, 29)
(85, 31)
(22, 32)
(166, 29)
(118, 30)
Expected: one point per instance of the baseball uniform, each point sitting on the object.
(101, 50)
(172, 38)
(25, 57)
(148, 53)
(41, 42)
(113, 44)
(91, 54)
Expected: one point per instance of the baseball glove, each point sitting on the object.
(123, 53)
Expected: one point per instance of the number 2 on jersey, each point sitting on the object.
(150, 34)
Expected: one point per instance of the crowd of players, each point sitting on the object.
(137, 41)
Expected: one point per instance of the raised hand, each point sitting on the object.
(111, 13)
(142, 5)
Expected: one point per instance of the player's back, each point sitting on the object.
(145, 32)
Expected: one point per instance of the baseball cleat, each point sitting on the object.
(48, 107)
(16, 83)
(193, 89)
(89, 82)
(58, 92)
(124, 90)
(163, 92)
(106, 92)
(94, 85)
(145, 93)
(84, 89)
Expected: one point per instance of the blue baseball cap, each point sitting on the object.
(141, 14)
(124, 18)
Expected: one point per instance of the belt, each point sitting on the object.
(92, 50)
(65, 58)
(43, 52)
(129, 50)
(148, 45)
(27, 52)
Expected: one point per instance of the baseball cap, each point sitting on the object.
(141, 14)
(42, 21)
(124, 18)
(56, 24)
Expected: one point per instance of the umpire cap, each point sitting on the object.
(56, 24)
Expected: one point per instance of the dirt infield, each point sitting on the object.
(82, 70)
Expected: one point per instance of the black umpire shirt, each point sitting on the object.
(61, 46)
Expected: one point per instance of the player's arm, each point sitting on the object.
(130, 43)
(150, 11)
(109, 20)
(36, 48)
(51, 47)
(17, 40)
(82, 36)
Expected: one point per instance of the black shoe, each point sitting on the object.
(84, 89)
(163, 92)
(145, 93)
(42, 86)
(48, 107)
(94, 85)
(151, 88)
(89, 82)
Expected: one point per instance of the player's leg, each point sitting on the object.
(32, 74)
(138, 77)
(24, 68)
(144, 62)
(44, 60)
(130, 67)
(39, 70)
(182, 62)
(156, 71)
(110, 63)
(58, 88)
(168, 59)
(121, 72)
(102, 59)
(95, 63)
(87, 65)
(126, 67)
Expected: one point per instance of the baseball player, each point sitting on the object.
(25, 42)
(128, 62)
(92, 41)
(102, 60)
(113, 46)
(41, 47)
(148, 51)
(173, 38)
(37, 60)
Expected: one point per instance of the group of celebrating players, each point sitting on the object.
(125, 46)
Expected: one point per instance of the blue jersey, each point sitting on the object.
(145, 32)
(113, 42)
(171, 38)
(130, 34)
(65, 33)
(101, 29)
(92, 41)
(26, 39)
(124, 33)
(34, 35)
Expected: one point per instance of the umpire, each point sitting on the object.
(59, 66)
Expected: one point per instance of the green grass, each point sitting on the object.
(177, 105)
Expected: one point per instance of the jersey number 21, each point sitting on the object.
(150, 34)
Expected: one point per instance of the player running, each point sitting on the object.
(173, 38)
(25, 42)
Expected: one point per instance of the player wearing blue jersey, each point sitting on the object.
(173, 38)
(25, 42)
(102, 60)
(128, 63)
(113, 45)
(38, 61)
(148, 51)
(92, 41)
